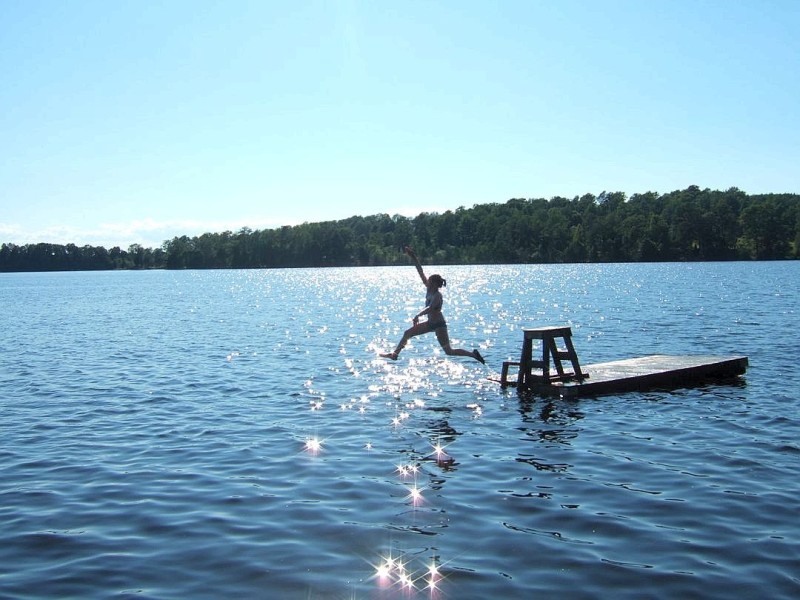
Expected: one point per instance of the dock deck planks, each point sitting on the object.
(646, 372)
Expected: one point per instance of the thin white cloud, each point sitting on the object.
(150, 232)
(147, 232)
(9, 232)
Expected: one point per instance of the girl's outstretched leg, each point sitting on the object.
(396, 352)
(418, 329)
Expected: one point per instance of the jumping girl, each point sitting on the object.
(435, 319)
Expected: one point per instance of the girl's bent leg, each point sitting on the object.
(444, 342)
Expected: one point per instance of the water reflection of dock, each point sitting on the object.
(642, 373)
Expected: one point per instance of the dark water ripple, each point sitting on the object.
(155, 427)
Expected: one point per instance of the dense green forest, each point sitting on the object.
(685, 225)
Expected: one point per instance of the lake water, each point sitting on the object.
(233, 434)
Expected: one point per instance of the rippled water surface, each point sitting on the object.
(224, 434)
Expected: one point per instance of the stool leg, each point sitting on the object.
(523, 379)
(573, 356)
(546, 360)
(556, 357)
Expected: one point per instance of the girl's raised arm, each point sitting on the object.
(408, 250)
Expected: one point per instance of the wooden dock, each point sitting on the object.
(643, 373)
(541, 350)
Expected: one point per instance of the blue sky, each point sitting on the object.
(132, 122)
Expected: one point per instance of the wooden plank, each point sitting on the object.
(646, 372)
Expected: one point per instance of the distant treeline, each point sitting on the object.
(685, 225)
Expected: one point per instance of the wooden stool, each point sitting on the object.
(550, 349)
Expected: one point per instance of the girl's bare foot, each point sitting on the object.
(392, 355)
(478, 357)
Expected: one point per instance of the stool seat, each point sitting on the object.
(550, 350)
(553, 331)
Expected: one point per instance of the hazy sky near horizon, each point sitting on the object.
(132, 122)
